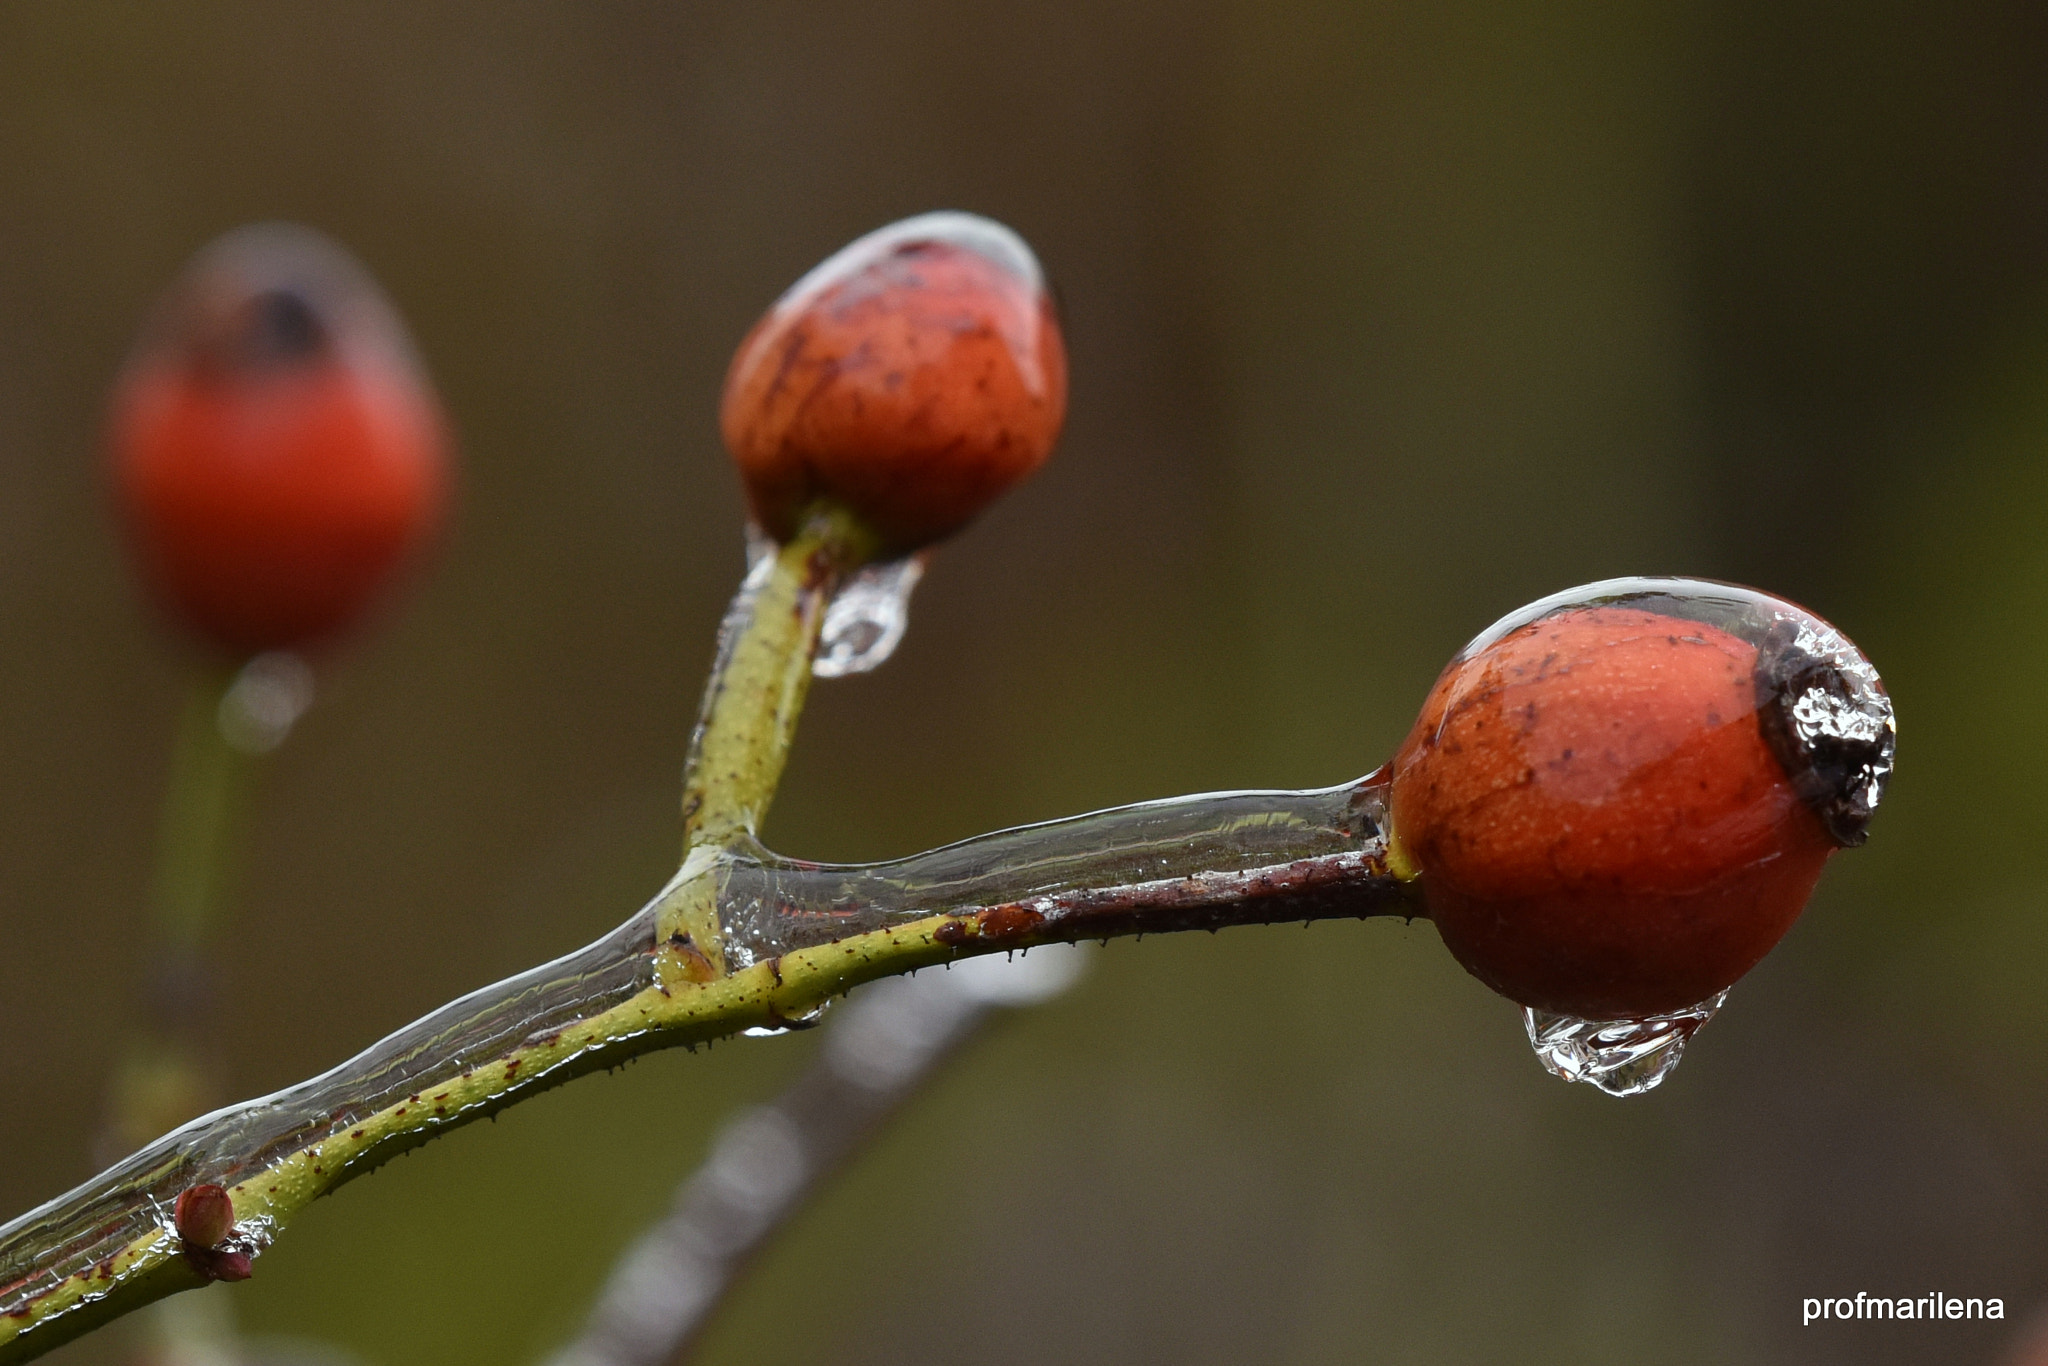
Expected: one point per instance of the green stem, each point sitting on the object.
(160, 1081)
(164, 1080)
(204, 800)
(749, 716)
(737, 755)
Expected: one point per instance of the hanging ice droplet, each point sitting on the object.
(1621, 1057)
(760, 546)
(867, 618)
(265, 701)
(790, 1024)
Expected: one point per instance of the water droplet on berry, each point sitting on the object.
(867, 618)
(1621, 1057)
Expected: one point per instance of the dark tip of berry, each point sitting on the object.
(280, 328)
(1826, 716)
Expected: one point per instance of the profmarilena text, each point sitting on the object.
(1935, 1306)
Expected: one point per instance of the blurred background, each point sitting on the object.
(1384, 319)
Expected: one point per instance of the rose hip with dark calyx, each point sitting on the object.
(1620, 798)
(277, 452)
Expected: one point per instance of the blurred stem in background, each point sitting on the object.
(879, 1050)
(169, 1073)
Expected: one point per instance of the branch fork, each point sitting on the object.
(739, 939)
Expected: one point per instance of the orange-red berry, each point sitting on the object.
(1620, 798)
(277, 452)
(912, 378)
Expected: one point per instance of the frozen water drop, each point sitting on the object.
(790, 1024)
(1621, 1057)
(760, 546)
(265, 701)
(867, 618)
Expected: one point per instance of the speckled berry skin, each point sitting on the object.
(911, 378)
(1601, 824)
(277, 454)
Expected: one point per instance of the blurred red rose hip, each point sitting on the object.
(912, 378)
(1619, 799)
(277, 451)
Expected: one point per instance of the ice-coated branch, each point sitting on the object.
(739, 939)
(795, 935)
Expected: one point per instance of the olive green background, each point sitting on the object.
(1384, 319)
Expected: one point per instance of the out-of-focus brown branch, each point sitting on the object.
(878, 1051)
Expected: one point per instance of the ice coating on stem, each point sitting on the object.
(1170, 860)
(1191, 862)
(759, 678)
(790, 1024)
(80, 1231)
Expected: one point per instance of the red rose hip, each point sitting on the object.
(912, 378)
(1620, 798)
(277, 451)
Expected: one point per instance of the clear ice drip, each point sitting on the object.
(265, 701)
(1621, 1057)
(867, 618)
(1192, 861)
